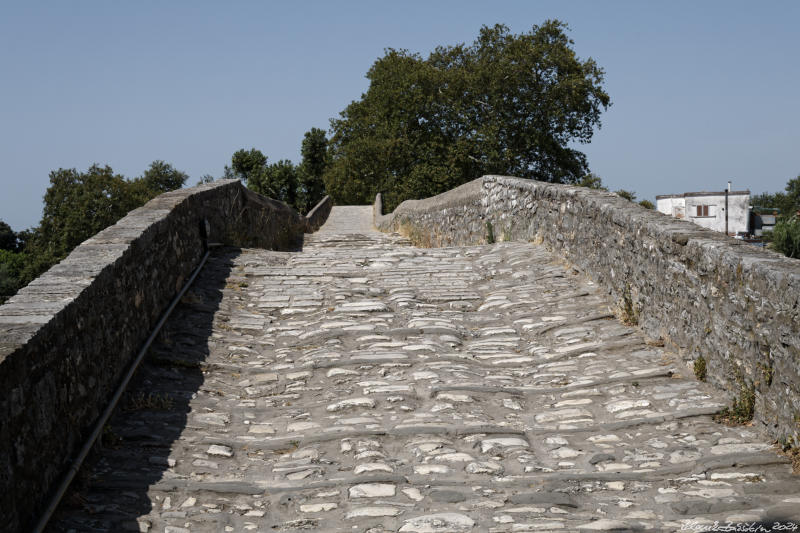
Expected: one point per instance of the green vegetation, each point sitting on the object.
(314, 152)
(700, 368)
(742, 409)
(8, 239)
(592, 181)
(785, 237)
(767, 372)
(626, 310)
(505, 104)
(788, 203)
(11, 266)
(647, 204)
(77, 205)
(299, 186)
(628, 195)
(490, 239)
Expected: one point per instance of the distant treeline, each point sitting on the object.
(78, 205)
(300, 186)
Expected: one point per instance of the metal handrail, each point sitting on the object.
(98, 428)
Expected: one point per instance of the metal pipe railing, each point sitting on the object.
(98, 428)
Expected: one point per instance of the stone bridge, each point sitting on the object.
(419, 379)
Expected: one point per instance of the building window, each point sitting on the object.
(705, 211)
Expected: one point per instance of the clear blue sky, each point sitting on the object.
(702, 92)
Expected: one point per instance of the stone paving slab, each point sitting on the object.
(363, 384)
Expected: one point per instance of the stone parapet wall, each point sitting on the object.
(701, 292)
(317, 216)
(68, 337)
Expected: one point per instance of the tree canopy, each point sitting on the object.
(788, 203)
(592, 181)
(162, 177)
(8, 239)
(249, 166)
(314, 151)
(508, 104)
(299, 186)
(278, 180)
(77, 205)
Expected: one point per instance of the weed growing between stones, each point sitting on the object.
(507, 234)
(489, 233)
(700, 368)
(793, 453)
(108, 438)
(150, 402)
(742, 409)
(415, 235)
(627, 313)
(767, 372)
(175, 362)
(790, 447)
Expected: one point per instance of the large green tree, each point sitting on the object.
(11, 262)
(509, 104)
(248, 166)
(162, 177)
(278, 181)
(314, 151)
(299, 186)
(11, 266)
(8, 239)
(281, 183)
(78, 205)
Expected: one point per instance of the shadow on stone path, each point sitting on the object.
(111, 490)
(367, 385)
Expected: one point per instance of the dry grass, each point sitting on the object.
(140, 401)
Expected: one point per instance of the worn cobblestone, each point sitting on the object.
(363, 384)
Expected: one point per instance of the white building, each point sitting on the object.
(708, 209)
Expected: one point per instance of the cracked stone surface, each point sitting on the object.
(363, 384)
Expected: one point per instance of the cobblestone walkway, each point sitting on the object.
(366, 385)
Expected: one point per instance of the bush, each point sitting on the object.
(742, 409)
(647, 204)
(700, 368)
(489, 233)
(786, 237)
(11, 265)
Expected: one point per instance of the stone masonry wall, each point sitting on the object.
(702, 293)
(319, 214)
(67, 338)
